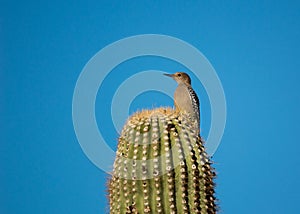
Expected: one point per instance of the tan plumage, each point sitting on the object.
(185, 98)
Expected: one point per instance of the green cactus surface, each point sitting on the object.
(161, 167)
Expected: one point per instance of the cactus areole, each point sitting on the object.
(161, 167)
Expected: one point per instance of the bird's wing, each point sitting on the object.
(195, 102)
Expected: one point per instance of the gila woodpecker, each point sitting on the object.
(185, 98)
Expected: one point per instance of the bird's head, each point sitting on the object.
(180, 77)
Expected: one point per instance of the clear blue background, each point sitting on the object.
(254, 47)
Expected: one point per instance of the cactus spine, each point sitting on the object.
(161, 167)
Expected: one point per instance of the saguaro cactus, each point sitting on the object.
(161, 167)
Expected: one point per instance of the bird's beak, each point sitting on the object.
(169, 75)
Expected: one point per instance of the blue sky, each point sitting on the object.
(253, 46)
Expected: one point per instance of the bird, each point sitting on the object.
(186, 100)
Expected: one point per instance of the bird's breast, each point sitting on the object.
(182, 99)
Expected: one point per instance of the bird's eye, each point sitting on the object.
(179, 75)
